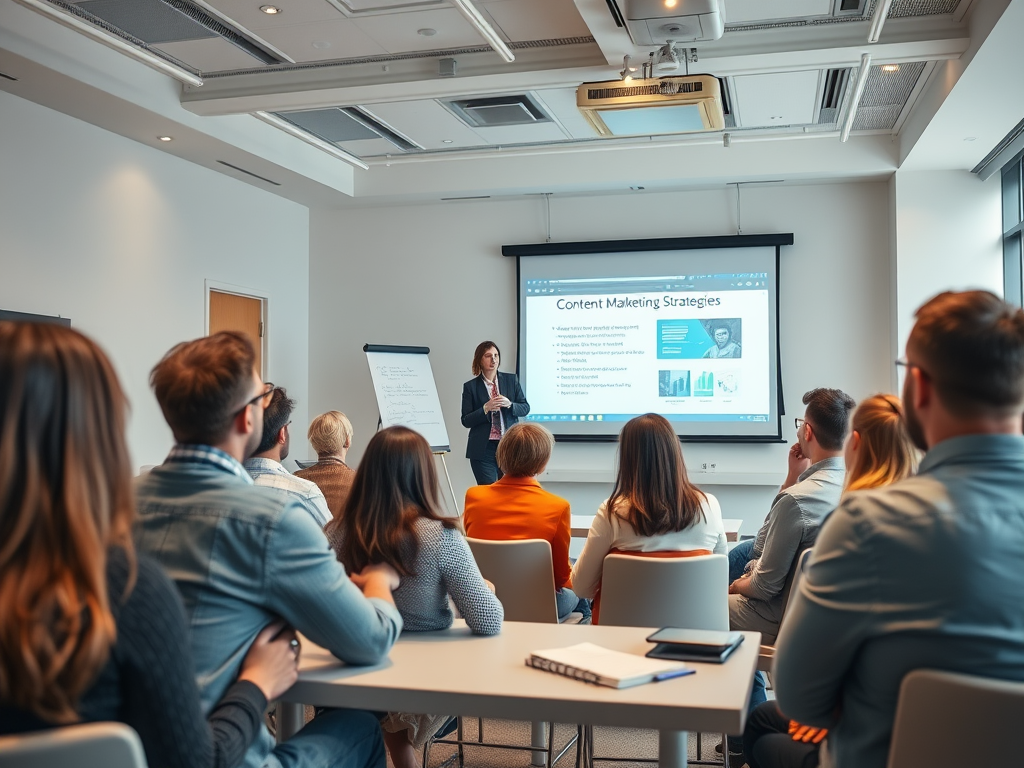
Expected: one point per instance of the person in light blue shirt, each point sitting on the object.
(927, 572)
(242, 556)
(265, 465)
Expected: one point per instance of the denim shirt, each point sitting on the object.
(242, 556)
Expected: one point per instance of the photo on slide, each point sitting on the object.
(704, 386)
(727, 334)
(673, 383)
(727, 384)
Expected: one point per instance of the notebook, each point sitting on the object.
(693, 645)
(594, 664)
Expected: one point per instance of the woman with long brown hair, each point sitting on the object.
(654, 508)
(92, 631)
(393, 515)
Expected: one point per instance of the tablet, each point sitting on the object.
(693, 644)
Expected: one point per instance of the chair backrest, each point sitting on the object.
(94, 745)
(522, 575)
(793, 577)
(947, 720)
(686, 592)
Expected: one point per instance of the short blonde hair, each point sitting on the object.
(524, 450)
(329, 432)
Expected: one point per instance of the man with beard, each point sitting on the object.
(925, 573)
(243, 556)
(265, 465)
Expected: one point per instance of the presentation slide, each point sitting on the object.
(689, 334)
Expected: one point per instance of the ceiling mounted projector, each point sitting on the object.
(652, 22)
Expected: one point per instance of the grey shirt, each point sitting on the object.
(792, 524)
(926, 573)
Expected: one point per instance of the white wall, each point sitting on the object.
(121, 237)
(433, 275)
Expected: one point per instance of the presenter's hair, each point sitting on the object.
(201, 384)
(275, 416)
(524, 450)
(652, 491)
(886, 453)
(395, 485)
(478, 355)
(828, 411)
(329, 433)
(65, 499)
(971, 346)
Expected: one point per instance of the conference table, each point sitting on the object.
(456, 673)
(580, 525)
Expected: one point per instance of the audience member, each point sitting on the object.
(242, 556)
(91, 630)
(654, 509)
(394, 516)
(878, 452)
(330, 434)
(516, 507)
(925, 573)
(265, 465)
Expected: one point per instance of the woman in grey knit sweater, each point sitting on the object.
(393, 515)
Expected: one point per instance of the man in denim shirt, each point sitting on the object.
(927, 572)
(242, 556)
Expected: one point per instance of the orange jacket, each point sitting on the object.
(518, 508)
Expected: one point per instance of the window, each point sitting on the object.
(1013, 230)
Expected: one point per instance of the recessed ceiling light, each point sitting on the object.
(426, 32)
(890, 67)
(270, 10)
(166, 138)
(670, 3)
(446, 141)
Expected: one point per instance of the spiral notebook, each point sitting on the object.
(601, 666)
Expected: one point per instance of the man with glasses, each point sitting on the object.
(243, 556)
(927, 572)
(265, 464)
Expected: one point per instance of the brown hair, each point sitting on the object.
(886, 452)
(478, 355)
(828, 411)
(65, 498)
(275, 417)
(396, 484)
(200, 385)
(652, 482)
(329, 432)
(971, 345)
(524, 450)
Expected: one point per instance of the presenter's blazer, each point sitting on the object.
(474, 395)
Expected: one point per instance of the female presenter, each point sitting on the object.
(491, 403)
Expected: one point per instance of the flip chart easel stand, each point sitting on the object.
(451, 487)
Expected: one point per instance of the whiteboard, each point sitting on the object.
(406, 393)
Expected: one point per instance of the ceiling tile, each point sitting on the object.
(561, 104)
(784, 98)
(248, 13)
(522, 134)
(338, 39)
(397, 33)
(536, 19)
(370, 148)
(427, 123)
(210, 55)
(739, 11)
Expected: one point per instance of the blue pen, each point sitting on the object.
(674, 673)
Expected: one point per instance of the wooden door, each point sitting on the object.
(232, 312)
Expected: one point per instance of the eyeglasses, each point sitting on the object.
(799, 424)
(904, 363)
(266, 396)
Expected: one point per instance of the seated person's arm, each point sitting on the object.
(828, 618)
(479, 606)
(308, 587)
(768, 576)
(586, 574)
(560, 550)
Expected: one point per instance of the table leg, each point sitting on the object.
(290, 719)
(538, 740)
(672, 749)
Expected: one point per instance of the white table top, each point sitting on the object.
(581, 526)
(455, 673)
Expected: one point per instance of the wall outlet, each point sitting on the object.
(708, 466)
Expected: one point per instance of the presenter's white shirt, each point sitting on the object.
(609, 531)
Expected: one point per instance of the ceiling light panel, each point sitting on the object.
(783, 98)
(398, 33)
(743, 11)
(885, 96)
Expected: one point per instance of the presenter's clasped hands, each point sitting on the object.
(496, 402)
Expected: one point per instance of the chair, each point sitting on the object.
(943, 716)
(523, 578)
(686, 592)
(94, 745)
(766, 656)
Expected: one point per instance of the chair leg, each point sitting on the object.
(725, 751)
(537, 742)
(426, 754)
(699, 745)
(551, 746)
(462, 754)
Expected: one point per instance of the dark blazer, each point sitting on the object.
(474, 395)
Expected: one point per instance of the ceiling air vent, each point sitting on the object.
(498, 111)
(832, 95)
(341, 124)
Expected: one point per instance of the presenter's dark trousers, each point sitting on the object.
(767, 743)
(486, 470)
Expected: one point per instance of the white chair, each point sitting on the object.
(94, 745)
(684, 592)
(947, 720)
(523, 578)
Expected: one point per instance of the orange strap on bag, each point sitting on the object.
(664, 554)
